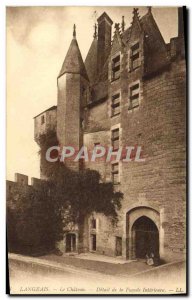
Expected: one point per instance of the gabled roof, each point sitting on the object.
(73, 62)
(157, 57)
(91, 61)
(154, 43)
(150, 27)
(116, 42)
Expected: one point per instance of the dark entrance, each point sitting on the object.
(70, 242)
(118, 246)
(94, 242)
(146, 237)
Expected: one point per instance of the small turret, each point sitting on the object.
(73, 85)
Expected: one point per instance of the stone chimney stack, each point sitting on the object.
(104, 39)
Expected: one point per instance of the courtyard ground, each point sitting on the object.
(92, 274)
(101, 263)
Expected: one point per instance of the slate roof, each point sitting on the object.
(155, 51)
(91, 62)
(157, 56)
(73, 62)
(100, 91)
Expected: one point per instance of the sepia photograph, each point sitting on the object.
(96, 134)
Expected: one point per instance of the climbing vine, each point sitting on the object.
(40, 213)
(82, 191)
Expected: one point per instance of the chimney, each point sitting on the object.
(180, 22)
(104, 40)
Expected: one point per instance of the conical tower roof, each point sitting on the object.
(73, 62)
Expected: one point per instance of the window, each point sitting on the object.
(70, 242)
(115, 139)
(42, 120)
(135, 60)
(115, 173)
(116, 67)
(93, 223)
(115, 106)
(134, 96)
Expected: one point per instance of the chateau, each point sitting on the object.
(130, 90)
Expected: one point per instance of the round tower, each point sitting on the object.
(73, 85)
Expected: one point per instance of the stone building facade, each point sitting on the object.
(131, 90)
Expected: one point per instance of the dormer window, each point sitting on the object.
(42, 120)
(135, 56)
(115, 67)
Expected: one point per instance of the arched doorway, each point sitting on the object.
(143, 228)
(145, 235)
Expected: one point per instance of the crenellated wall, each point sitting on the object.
(15, 188)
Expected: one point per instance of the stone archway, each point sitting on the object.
(142, 230)
(145, 237)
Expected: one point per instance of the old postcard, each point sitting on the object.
(96, 150)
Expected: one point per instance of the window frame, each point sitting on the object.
(113, 139)
(115, 67)
(94, 223)
(115, 172)
(133, 56)
(114, 106)
(133, 97)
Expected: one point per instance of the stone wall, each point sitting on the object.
(159, 126)
(50, 122)
(70, 117)
(156, 187)
(14, 189)
(159, 183)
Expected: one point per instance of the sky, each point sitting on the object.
(37, 41)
